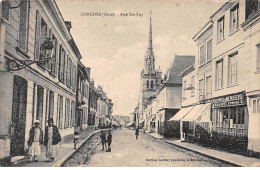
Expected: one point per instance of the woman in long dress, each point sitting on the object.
(35, 140)
(51, 139)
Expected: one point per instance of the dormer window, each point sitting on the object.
(252, 7)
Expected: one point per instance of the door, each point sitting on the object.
(18, 116)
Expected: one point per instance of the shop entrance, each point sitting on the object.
(18, 116)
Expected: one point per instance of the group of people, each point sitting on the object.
(51, 139)
(106, 141)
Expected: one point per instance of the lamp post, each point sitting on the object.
(47, 45)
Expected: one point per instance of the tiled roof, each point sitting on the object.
(179, 64)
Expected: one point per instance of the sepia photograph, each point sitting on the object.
(129, 83)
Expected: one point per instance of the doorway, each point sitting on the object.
(18, 116)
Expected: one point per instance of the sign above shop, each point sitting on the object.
(228, 100)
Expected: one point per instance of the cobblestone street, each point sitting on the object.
(146, 151)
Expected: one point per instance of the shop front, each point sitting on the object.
(230, 122)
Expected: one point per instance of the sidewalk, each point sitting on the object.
(65, 150)
(234, 159)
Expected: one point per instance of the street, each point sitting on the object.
(146, 151)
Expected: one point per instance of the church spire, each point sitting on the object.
(149, 57)
(151, 33)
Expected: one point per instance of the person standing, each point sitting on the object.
(51, 139)
(35, 140)
(103, 139)
(137, 132)
(109, 141)
(76, 139)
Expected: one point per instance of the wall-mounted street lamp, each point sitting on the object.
(47, 45)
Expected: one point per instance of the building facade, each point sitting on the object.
(32, 90)
(226, 107)
(94, 114)
(169, 94)
(82, 95)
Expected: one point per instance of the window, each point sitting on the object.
(234, 18)
(258, 58)
(52, 62)
(193, 86)
(256, 106)
(152, 84)
(62, 65)
(23, 27)
(67, 113)
(202, 55)
(68, 71)
(209, 50)
(208, 87)
(220, 29)
(232, 69)
(51, 104)
(60, 118)
(219, 74)
(41, 33)
(184, 90)
(147, 84)
(201, 89)
(252, 7)
(72, 122)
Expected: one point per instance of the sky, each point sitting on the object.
(114, 44)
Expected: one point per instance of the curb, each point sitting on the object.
(212, 157)
(71, 153)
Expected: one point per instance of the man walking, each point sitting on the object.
(103, 139)
(51, 139)
(109, 141)
(137, 132)
(35, 140)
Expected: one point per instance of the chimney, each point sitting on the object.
(68, 25)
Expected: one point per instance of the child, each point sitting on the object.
(76, 138)
(109, 141)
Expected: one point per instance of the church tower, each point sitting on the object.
(150, 78)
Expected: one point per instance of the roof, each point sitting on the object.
(179, 64)
(188, 70)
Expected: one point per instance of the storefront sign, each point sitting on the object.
(229, 100)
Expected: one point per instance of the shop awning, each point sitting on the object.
(197, 112)
(204, 115)
(182, 113)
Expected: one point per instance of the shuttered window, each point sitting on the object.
(37, 36)
(60, 118)
(61, 64)
(52, 62)
(5, 9)
(72, 120)
(69, 72)
(67, 113)
(23, 28)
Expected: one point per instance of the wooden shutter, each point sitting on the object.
(37, 36)
(23, 28)
(5, 9)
